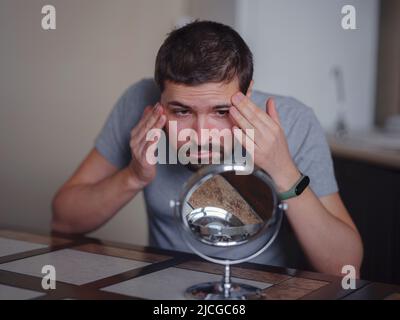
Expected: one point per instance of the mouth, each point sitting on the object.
(205, 157)
(203, 154)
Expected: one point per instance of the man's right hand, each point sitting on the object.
(140, 168)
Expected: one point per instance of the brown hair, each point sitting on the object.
(201, 52)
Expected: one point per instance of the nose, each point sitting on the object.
(202, 122)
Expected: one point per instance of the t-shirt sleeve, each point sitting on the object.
(312, 153)
(109, 142)
(113, 140)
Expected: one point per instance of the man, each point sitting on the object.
(203, 77)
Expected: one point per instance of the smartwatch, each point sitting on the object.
(297, 188)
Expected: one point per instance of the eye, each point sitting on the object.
(181, 112)
(222, 113)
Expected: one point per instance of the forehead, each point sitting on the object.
(200, 95)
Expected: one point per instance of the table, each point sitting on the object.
(88, 268)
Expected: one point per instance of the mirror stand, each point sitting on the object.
(223, 290)
(228, 218)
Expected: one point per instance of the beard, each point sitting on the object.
(218, 157)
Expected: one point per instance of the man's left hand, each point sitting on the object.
(271, 151)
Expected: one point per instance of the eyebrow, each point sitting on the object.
(182, 105)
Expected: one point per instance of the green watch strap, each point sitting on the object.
(297, 188)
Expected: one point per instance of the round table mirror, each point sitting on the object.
(227, 216)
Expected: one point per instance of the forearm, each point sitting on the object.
(328, 242)
(85, 207)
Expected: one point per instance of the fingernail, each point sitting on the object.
(237, 98)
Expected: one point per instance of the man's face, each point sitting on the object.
(204, 106)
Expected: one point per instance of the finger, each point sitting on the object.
(150, 122)
(146, 138)
(146, 114)
(250, 89)
(147, 151)
(149, 146)
(158, 126)
(239, 119)
(271, 110)
(239, 135)
(245, 140)
(147, 110)
(254, 115)
(158, 111)
(161, 122)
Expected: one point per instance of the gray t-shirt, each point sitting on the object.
(307, 145)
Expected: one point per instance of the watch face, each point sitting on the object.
(302, 185)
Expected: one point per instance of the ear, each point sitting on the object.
(271, 110)
(250, 89)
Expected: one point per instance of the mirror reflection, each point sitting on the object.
(229, 209)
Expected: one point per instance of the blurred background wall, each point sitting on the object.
(57, 87)
(297, 45)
